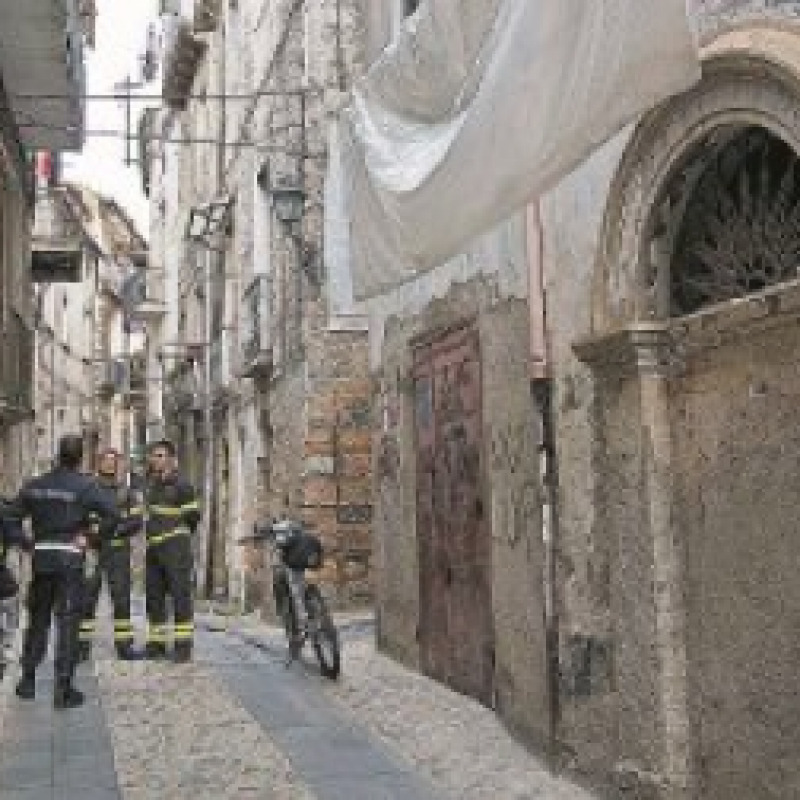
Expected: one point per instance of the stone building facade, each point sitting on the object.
(88, 357)
(600, 543)
(50, 62)
(266, 392)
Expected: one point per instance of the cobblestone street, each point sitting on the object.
(238, 723)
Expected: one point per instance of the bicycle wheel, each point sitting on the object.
(288, 617)
(325, 637)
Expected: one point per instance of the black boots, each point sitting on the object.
(183, 654)
(26, 688)
(155, 652)
(66, 696)
(126, 652)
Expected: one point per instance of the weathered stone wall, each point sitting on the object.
(572, 218)
(629, 543)
(735, 422)
(510, 437)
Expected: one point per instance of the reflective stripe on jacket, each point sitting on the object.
(171, 509)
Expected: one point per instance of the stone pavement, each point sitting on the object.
(238, 724)
(458, 745)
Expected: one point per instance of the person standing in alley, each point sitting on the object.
(114, 562)
(171, 514)
(61, 505)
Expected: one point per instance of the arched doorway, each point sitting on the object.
(696, 312)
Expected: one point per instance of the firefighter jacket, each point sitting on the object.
(61, 505)
(130, 518)
(170, 509)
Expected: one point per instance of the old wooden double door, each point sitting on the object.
(456, 630)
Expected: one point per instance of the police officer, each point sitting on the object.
(114, 561)
(171, 514)
(60, 505)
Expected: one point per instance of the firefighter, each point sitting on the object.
(60, 505)
(171, 514)
(113, 561)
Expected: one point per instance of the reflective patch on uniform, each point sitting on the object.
(157, 634)
(86, 631)
(123, 630)
(184, 630)
(53, 494)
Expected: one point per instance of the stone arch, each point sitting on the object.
(751, 79)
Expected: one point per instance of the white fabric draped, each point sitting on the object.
(478, 106)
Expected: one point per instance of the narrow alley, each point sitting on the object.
(237, 724)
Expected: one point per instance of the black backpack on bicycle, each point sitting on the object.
(302, 550)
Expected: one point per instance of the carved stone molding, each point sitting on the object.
(737, 92)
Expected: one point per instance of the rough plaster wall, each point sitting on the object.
(395, 514)
(624, 541)
(737, 435)
(500, 256)
(510, 437)
(572, 216)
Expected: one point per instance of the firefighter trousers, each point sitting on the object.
(58, 594)
(168, 572)
(115, 564)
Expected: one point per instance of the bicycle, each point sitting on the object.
(300, 605)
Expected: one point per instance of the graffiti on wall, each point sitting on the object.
(516, 499)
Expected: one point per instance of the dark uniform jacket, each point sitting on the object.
(61, 505)
(124, 500)
(171, 509)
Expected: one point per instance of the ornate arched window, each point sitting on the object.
(732, 214)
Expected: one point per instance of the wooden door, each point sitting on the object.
(454, 543)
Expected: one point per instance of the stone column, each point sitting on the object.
(633, 368)
(653, 357)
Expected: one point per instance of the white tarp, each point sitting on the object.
(478, 106)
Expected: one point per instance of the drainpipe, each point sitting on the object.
(541, 385)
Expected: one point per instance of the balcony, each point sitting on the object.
(183, 53)
(16, 371)
(138, 300)
(111, 378)
(41, 53)
(257, 351)
(206, 15)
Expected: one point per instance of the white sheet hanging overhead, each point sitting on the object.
(480, 105)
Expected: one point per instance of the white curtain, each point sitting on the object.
(480, 105)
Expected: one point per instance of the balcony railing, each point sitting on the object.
(206, 15)
(257, 353)
(183, 52)
(111, 377)
(139, 300)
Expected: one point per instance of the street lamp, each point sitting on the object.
(288, 203)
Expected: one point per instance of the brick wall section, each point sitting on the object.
(314, 412)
